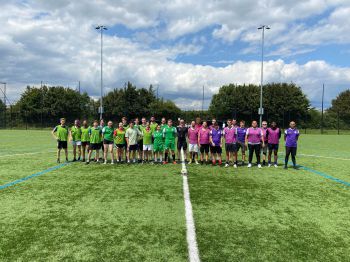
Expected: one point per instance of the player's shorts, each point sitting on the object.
(169, 144)
(76, 143)
(107, 142)
(193, 148)
(95, 146)
(120, 145)
(273, 147)
(231, 147)
(204, 148)
(158, 147)
(215, 149)
(140, 145)
(147, 147)
(242, 146)
(181, 144)
(61, 144)
(133, 147)
(85, 143)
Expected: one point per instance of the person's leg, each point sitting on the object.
(79, 152)
(287, 157)
(293, 153)
(269, 155)
(89, 156)
(98, 155)
(105, 151)
(83, 151)
(251, 152)
(257, 153)
(275, 155)
(264, 151)
(111, 152)
(58, 155)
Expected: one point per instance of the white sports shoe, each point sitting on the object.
(259, 166)
(105, 162)
(112, 162)
(269, 165)
(235, 166)
(275, 165)
(227, 165)
(249, 165)
(197, 162)
(190, 162)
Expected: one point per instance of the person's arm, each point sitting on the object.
(262, 138)
(279, 133)
(54, 133)
(127, 138)
(211, 139)
(267, 134)
(199, 138)
(221, 140)
(285, 135)
(298, 134)
(246, 137)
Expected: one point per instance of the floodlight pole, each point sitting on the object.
(261, 110)
(4, 83)
(101, 28)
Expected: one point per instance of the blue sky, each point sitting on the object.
(179, 45)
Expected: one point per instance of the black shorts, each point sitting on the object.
(140, 145)
(273, 147)
(215, 149)
(231, 147)
(107, 142)
(95, 146)
(120, 145)
(181, 144)
(101, 145)
(133, 147)
(204, 148)
(242, 146)
(61, 144)
(86, 143)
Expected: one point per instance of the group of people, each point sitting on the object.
(151, 142)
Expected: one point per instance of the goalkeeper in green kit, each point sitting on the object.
(169, 134)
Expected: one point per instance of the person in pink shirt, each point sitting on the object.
(193, 142)
(264, 148)
(254, 138)
(230, 134)
(203, 141)
(273, 135)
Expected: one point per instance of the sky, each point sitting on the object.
(179, 45)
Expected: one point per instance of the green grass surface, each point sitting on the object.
(136, 213)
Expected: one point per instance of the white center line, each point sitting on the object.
(193, 253)
(29, 153)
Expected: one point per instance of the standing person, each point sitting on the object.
(125, 123)
(216, 143)
(131, 136)
(158, 145)
(254, 137)
(273, 135)
(291, 136)
(204, 141)
(120, 142)
(60, 133)
(193, 141)
(230, 134)
(169, 133)
(147, 142)
(162, 124)
(264, 147)
(139, 140)
(108, 141)
(241, 133)
(95, 134)
(182, 132)
(75, 136)
(198, 123)
(153, 124)
(213, 123)
(101, 126)
(85, 139)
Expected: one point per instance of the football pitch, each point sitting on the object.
(96, 212)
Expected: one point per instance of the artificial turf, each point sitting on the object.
(136, 213)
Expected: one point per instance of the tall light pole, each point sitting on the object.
(261, 110)
(101, 28)
(5, 98)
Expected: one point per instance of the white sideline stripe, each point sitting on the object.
(193, 253)
(24, 154)
(330, 157)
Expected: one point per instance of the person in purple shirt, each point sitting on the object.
(240, 144)
(230, 133)
(216, 143)
(254, 138)
(291, 136)
(264, 148)
(273, 135)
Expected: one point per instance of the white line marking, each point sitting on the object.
(24, 154)
(193, 253)
(330, 157)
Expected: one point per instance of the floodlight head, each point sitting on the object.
(267, 27)
(98, 27)
(261, 27)
(105, 28)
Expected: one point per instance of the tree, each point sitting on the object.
(341, 106)
(167, 109)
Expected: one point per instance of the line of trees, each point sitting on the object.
(42, 107)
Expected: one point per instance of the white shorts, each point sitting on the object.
(76, 143)
(147, 147)
(193, 148)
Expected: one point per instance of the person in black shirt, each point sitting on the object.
(182, 131)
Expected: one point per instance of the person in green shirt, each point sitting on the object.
(120, 142)
(162, 124)
(158, 144)
(60, 133)
(131, 136)
(75, 137)
(95, 134)
(139, 140)
(147, 142)
(153, 124)
(85, 138)
(169, 133)
(125, 123)
(108, 141)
